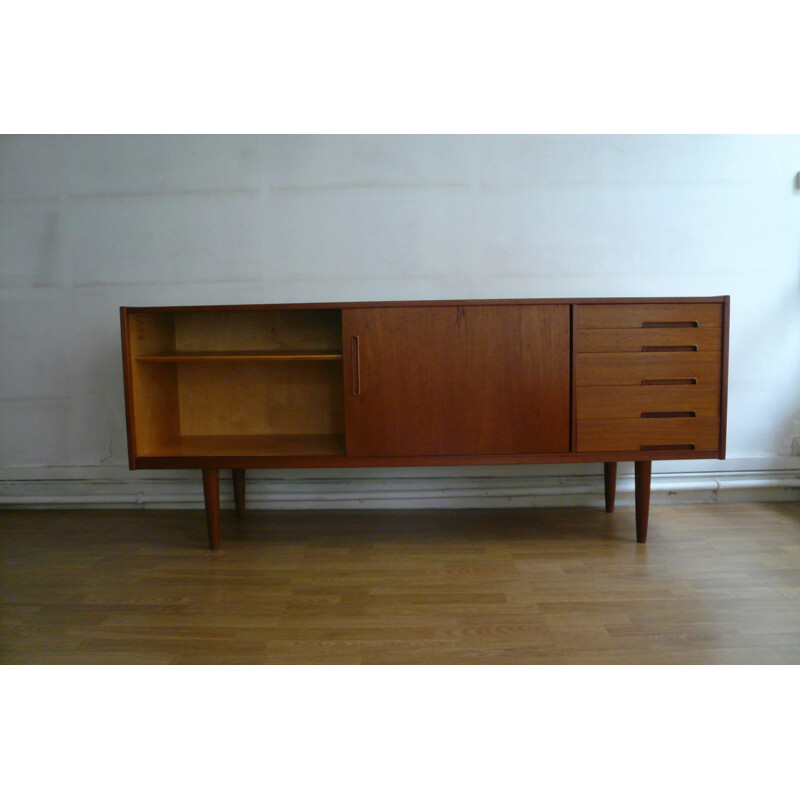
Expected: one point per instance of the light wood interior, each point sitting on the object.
(244, 355)
(155, 388)
(251, 446)
(273, 376)
(268, 329)
(239, 399)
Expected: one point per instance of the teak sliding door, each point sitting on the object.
(457, 379)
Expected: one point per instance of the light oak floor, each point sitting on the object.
(714, 584)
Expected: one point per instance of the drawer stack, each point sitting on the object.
(648, 377)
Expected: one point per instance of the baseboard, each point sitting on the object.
(267, 491)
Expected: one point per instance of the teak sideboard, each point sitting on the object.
(425, 383)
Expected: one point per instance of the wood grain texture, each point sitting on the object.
(457, 380)
(263, 329)
(153, 388)
(224, 398)
(630, 369)
(244, 355)
(511, 301)
(636, 315)
(288, 445)
(625, 340)
(253, 452)
(634, 434)
(716, 584)
(629, 402)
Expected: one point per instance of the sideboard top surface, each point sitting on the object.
(400, 303)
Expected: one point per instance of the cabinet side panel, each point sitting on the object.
(154, 387)
(127, 376)
(723, 404)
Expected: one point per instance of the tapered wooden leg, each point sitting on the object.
(642, 473)
(211, 494)
(238, 491)
(610, 479)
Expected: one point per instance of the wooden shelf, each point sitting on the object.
(232, 446)
(242, 355)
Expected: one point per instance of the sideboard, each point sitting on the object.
(425, 383)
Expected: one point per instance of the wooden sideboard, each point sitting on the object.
(425, 383)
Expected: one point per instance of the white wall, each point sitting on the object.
(91, 223)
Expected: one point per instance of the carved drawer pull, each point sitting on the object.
(667, 447)
(667, 414)
(668, 381)
(669, 348)
(688, 324)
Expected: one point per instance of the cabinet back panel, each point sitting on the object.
(151, 333)
(274, 329)
(246, 398)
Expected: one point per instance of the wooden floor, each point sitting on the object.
(714, 584)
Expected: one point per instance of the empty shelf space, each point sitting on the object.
(232, 446)
(242, 355)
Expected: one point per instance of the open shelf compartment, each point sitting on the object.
(250, 383)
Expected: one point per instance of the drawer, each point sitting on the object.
(634, 369)
(646, 315)
(638, 340)
(647, 435)
(630, 402)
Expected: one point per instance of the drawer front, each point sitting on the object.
(648, 377)
(649, 315)
(643, 340)
(648, 435)
(632, 402)
(637, 369)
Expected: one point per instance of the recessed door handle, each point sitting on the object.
(356, 365)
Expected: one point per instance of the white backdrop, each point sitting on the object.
(91, 223)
